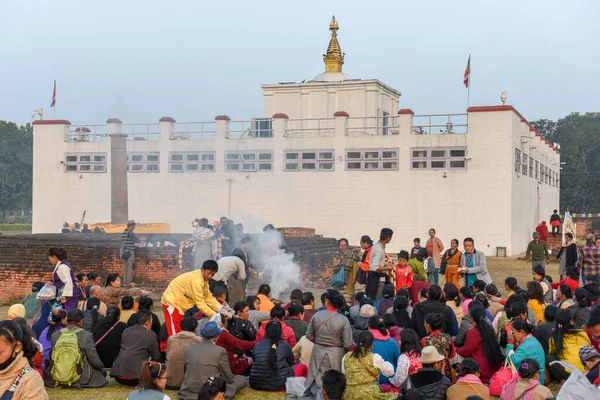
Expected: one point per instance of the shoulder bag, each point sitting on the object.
(447, 361)
(106, 334)
(10, 392)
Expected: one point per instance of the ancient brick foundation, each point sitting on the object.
(23, 259)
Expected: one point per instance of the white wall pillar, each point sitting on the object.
(341, 123)
(280, 125)
(167, 128)
(113, 125)
(48, 173)
(222, 126)
(405, 117)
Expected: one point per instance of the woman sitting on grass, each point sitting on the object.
(213, 389)
(362, 368)
(527, 385)
(152, 382)
(273, 360)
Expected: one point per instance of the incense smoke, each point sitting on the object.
(276, 265)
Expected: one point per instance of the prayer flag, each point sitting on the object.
(467, 73)
(53, 103)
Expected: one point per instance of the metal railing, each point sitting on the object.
(194, 131)
(86, 133)
(260, 128)
(310, 127)
(141, 131)
(439, 124)
(373, 126)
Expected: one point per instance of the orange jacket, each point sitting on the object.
(366, 265)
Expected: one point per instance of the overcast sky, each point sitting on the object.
(191, 60)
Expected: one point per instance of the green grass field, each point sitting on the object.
(500, 268)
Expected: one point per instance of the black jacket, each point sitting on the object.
(108, 348)
(594, 373)
(580, 316)
(427, 307)
(242, 329)
(543, 332)
(261, 375)
(431, 382)
(87, 320)
(593, 289)
(571, 255)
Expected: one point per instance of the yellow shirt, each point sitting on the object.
(189, 290)
(571, 345)
(538, 309)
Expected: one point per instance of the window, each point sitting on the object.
(546, 176)
(372, 159)
(531, 167)
(249, 161)
(525, 164)
(309, 160)
(542, 173)
(517, 160)
(85, 162)
(438, 158)
(143, 162)
(190, 161)
(262, 128)
(537, 170)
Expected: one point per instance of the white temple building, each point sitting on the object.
(337, 154)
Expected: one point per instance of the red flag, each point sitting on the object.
(467, 73)
(53, 103)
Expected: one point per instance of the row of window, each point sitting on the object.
(439, 158)
(294, 160)
(528, 166)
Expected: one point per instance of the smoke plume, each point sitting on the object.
(276, 265)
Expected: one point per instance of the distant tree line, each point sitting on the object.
(16, 170)
(579, 139)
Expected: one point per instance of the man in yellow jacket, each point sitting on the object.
(186, 291)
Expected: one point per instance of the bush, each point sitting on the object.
(15, 227)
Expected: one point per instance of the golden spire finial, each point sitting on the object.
(334, 59)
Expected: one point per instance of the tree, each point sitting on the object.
(16, 166)
(546, 127)
(579, 139)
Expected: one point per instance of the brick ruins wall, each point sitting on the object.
(23, 259)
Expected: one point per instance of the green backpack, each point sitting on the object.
(66, 355)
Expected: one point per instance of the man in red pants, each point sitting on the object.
(186, 291)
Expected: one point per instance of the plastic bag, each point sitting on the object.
(337, 280)
(295, 386)
(48, 292)
(577, 387)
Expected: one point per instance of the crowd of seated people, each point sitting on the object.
(443, 343)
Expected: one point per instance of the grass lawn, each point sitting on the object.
(500, 268)
(11, 233)
(115, 391)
